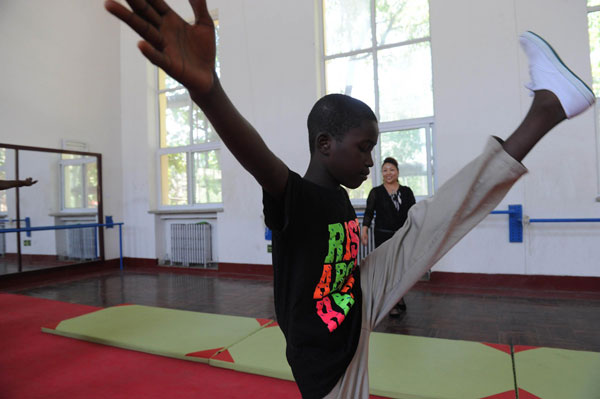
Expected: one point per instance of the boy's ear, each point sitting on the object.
(323, 143)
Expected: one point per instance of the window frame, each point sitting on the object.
(427, 122)
(591, 10)
(83, 161)
(188, 150)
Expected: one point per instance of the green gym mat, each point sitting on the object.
(400, 366)
(409, 367)
(261, 353)
(550, 373)
(168, 332)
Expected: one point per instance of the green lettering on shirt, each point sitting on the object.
(336, 243)
(344, 301)
(342, 270)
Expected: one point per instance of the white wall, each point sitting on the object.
(74, 72)
(60, 70)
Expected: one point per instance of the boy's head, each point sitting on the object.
(342, 132)
(336, 114)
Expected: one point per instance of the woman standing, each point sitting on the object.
(390, 202)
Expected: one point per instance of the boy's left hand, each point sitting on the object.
(186, 52)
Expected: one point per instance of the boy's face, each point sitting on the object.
(350, 159)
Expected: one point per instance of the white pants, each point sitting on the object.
(433, 227)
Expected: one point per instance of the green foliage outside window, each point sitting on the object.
(395, 42)
(192, 175)
(594, 33)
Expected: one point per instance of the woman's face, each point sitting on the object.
(389, 173)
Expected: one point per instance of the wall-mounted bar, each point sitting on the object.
(108, 225)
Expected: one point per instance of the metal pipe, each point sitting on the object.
(61, 227)
(74, 226)
(501, 212)
(584, 220)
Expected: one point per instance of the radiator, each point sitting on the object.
(364, 250)
(77, 244)
(191, 244)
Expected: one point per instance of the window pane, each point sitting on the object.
(405, 84)
(594, 29)
(362, 192)
(173, 169)
(70, 156)
(165, 81)
(401, 20)
(207, 176)
(175, 109)
(91, 185)
(73, 194)
(409, 148)
(347, 25)
(352, 76)
(203, 130)
(593, 3)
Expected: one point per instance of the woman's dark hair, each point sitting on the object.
(390, 160)
(335, 114)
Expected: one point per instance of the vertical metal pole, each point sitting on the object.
(18, 200)
(96, 242)
(120, 247)
(100, 207)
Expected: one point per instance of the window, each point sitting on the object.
(79, 182)
(594, 36)
(594, 33)
(188, 155)
(379, 52)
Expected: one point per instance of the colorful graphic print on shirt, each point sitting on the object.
(334, 291)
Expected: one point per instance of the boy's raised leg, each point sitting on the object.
(436, 224)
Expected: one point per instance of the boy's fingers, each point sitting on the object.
(140, 26)
(144, 9)
(160, 6)
(200, 10)
(154, 56)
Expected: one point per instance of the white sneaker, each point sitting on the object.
(548, 72)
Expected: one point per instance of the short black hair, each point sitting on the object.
(335, 114)
(390, 160)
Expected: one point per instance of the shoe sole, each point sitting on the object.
(564, 70)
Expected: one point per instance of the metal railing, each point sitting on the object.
(109, 225)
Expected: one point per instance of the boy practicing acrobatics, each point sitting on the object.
(325, 304)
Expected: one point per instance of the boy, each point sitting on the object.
(325, 304)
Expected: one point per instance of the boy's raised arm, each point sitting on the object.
(187, 53)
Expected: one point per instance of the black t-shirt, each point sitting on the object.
(318, 298)
(387, 216)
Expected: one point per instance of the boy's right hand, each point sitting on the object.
(186, 52)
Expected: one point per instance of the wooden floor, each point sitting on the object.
(538, 317)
